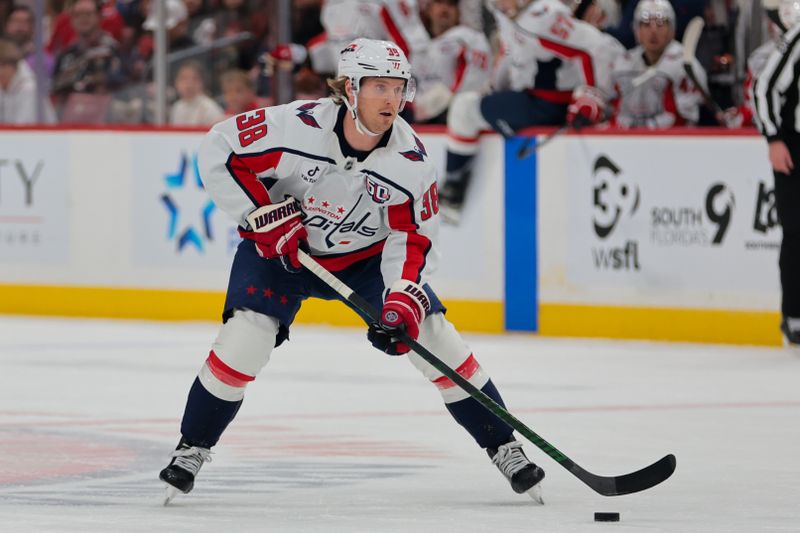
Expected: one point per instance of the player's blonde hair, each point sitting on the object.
(337, 88)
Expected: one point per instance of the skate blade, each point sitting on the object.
(535, 493)
(791, 346)
(170, 494)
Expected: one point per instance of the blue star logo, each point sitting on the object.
(189, 207)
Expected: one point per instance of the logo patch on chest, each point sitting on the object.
(311, 171)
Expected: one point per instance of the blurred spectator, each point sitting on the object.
(63, 33)
(458, 59)
(178, 38)
(235, 17)
(238, 93)
(92, 63)
(201, 21)
(19, 29)
(193, 107)
(308, 85)
(652, 88)
(176, 23)
(18, 88)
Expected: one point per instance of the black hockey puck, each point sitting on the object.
(606, 517)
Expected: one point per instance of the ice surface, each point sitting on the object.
(335, 436)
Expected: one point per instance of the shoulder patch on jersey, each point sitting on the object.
(418, 153)
(379, 192)
(306, 114)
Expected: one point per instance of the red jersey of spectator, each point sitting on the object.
(64, 35)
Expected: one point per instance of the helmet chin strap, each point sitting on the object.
(362, 129)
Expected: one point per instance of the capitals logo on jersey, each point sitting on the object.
(379, 193)
(418, 153)
(306, 114)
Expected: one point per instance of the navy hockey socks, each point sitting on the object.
(206, 416)
(484, 426)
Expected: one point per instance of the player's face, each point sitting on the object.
(379, 102)
(655, 35)
(443, 15)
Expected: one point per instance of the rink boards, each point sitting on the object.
(629, 236)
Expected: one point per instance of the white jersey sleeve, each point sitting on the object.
(412, 216)
(550, 50)
(230, 176)
(457, 61)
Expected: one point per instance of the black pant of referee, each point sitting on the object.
(787, 200)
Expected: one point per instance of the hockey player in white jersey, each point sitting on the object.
(345, 20)
(349, 181)
(457, 60)
(555, 71)
(651, 88)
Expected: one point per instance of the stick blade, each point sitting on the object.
(643, 479)
(691, 36)
(647, 477)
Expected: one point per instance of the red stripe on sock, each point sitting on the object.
(466, 371)
(226, 374)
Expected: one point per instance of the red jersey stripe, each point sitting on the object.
(340, 262)
(394, 31)
(466, 370)
(401, 218)
(569, 52)
(461, 67)
(226, 374)
(245, 169)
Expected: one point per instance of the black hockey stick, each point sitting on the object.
(529, 147)
(640, 480)
(691, 36)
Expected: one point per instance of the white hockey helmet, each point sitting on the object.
(658, 10)
(789, 13)
(365, 58)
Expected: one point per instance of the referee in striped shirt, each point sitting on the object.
(776, 94)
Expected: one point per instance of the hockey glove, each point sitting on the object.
(404, 309)
(278, 232)
(588, 107)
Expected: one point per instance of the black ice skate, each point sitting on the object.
(180, 472)
(790, 327)
(524, 476)
(451, 201)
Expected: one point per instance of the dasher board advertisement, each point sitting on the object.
(641, 217)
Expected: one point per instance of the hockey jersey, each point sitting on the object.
(457, 60)
(550, 52)
(344, 20)
(661, 98)
(386, 204)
